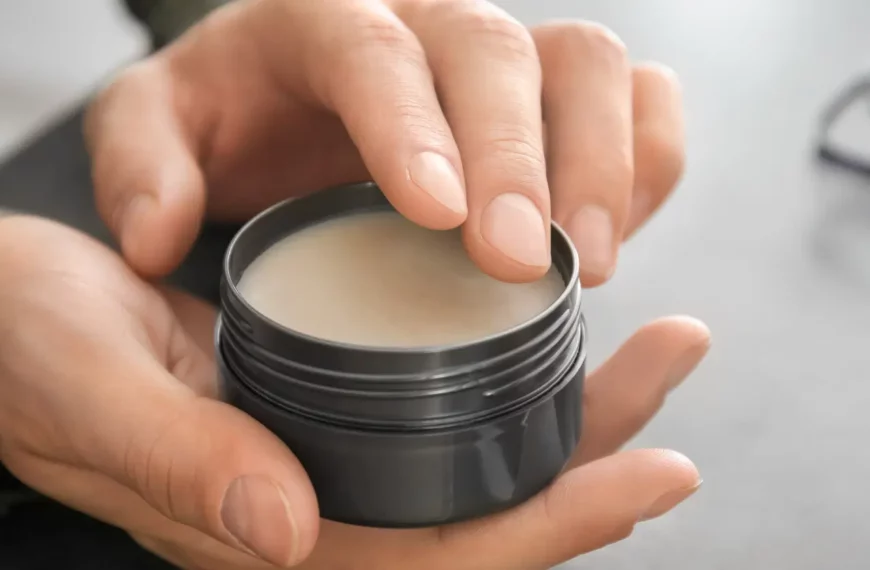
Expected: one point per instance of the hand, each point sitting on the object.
(107, 405)
(440, 101)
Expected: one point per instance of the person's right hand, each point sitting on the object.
(107, 388)
(461, 114)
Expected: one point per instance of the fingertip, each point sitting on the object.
(668, 349)
(426, 212)
(156, 230)
(495, 263)
(683, 481)
(682, 469)
(148, 243)
(438, 199)
(657, 70)
(258, 512)
(696, 333)
(592, 232)
(590, 279)
(132, 224)
(510, 238)
(683, 329)
(267, 503)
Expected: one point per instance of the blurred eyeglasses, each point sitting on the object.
(844, 129)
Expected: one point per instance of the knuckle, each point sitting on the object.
(572, 38)
(489, 24)
(420, 122)
(610, 175)
(513, 152)
(138, 78)
(378, 40)
(378, 32)
(601, 39)
(96, 111)
(153, 471)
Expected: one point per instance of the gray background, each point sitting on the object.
(769, 248)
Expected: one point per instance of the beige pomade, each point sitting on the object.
(376, 279)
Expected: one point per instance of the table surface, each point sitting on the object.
(771, 249)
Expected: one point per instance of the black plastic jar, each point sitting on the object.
(406, 437)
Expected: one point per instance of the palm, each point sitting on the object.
(621, 397)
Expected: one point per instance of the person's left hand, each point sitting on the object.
(107, 387)
(598, 499)
(458, 112)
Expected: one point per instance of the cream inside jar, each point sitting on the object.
(377, 279)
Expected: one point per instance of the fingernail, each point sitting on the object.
(256, 513)
(591, 230)
(668, 501)
(683, 366)
(435, 175)
(513, 224)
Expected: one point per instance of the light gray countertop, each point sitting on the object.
(769, 248)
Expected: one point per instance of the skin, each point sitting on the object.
(108, 378)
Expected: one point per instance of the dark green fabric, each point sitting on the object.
(47, 536)
(165, 20)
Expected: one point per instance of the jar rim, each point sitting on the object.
(376, 385)
(571, 281)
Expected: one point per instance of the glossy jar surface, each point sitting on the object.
(406, 437)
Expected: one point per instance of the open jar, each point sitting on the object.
(406, 436)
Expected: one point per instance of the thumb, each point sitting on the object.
(199, 462)
(585, 509)
(98, 374)
(148, 185)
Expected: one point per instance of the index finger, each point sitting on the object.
(365, 65)
(489, 80)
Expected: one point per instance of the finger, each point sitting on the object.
(364, 64)
(489, 81)
(659, 145)
(116, 409)
(105, 499)
(148, 185)
(587, 106)
(630, 388)
(204, 464)
(585, 509)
